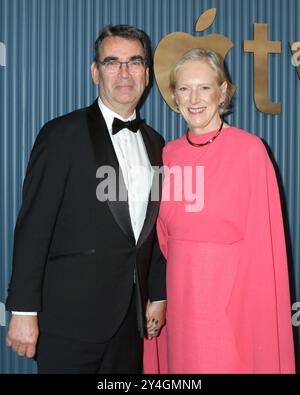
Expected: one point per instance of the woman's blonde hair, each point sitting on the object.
(215, 61)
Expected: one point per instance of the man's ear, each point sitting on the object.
(147, 76)
(95, 72)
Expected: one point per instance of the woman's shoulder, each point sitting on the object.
(244, 140)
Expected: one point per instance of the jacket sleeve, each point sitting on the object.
(157, 274)
(43, 192)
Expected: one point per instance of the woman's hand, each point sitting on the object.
(156, 316)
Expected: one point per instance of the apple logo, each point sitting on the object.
(171, 48)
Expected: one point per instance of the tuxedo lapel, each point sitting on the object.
(153, 205)
(105, 156)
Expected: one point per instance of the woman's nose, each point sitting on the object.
(195, 96)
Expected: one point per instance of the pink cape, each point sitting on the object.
(227, 280)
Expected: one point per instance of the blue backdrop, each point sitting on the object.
(46, 47)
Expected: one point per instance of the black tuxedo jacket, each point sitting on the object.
(75, 257)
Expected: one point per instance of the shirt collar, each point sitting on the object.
(109, 115)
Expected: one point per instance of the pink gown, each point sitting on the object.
(228, 308)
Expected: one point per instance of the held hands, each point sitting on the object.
(22, 335)
(155, 315)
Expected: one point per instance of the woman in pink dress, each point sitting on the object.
(220, 228)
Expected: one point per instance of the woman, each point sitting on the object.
(227, 281)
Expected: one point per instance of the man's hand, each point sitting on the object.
(22, 335)
(156, 315)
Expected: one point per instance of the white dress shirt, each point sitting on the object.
(134, 163)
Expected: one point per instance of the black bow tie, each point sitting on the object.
(131, 125)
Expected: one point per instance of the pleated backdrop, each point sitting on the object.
(46, 47)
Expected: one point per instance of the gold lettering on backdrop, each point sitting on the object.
(295, 49)
(261, 47)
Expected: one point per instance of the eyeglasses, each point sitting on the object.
(133, 65)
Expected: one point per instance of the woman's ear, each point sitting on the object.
(223, 88)
(173, 96)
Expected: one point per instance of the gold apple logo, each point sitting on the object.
(171, 48)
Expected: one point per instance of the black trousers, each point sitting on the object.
(121, 354)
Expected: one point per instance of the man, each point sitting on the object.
(85, 264)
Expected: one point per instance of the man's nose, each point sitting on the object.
(124, 70)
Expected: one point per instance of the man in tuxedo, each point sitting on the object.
(88, 272)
